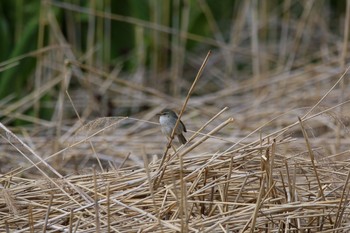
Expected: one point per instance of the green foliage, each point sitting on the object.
(15, 79)
(122, 36)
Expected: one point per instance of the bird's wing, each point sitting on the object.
(184, 127)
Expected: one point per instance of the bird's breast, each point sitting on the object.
(164, 120)
(166, 125)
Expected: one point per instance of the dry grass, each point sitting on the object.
(288, 179)
(252, 187)
(268, 151)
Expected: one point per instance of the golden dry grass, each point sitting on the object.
(268, 151)
(284, 175)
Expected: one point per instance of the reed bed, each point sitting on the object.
(267, 117)
(281, 175)
(256, 187)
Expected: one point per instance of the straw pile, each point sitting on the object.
(282, 180)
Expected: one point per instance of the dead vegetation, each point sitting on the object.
(285, 175)
(268, 151)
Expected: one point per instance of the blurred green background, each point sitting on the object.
(155, 44)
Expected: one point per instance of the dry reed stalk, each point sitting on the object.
(190, 148)
(200, 71)
(97, 209)
(312, 158)
(71, 221)
(343, 199)
(48, 213)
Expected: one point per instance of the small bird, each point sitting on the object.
(167, 120)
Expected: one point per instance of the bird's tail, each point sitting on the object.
(181, 138)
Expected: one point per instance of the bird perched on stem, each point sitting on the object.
(167, 120)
